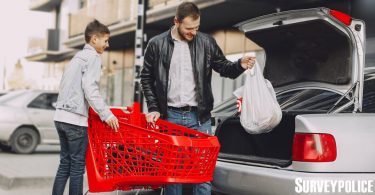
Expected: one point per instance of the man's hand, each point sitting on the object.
(247, 62)
(113, 123)
(152, 117)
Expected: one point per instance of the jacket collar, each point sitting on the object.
(89, 47)
(169, 34)
(170, 38)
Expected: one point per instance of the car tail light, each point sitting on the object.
(311, 147)
(344, 18)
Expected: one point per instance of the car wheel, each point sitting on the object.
(24, 140)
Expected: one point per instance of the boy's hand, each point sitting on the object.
(113, 123)
(152, 117)
(247, 62)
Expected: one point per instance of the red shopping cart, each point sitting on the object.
(144, 156)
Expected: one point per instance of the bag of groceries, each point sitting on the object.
(260, 110)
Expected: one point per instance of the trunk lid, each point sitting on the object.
(315, 47)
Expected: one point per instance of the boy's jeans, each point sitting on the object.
(73, 143)
(189, 119)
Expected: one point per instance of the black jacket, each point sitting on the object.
(205, 55)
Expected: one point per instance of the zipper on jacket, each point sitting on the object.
(195, 72)
(170, 53)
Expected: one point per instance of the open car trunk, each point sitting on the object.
(305, 49)
(311, 51)
(273, 148)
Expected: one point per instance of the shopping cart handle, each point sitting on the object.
(124, 108)
(133, 109)
(115, 110)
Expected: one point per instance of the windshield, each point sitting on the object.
(9, 96)
(16, 99)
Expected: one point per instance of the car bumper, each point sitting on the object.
(246, 179)
(6, 131)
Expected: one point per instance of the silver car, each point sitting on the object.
(2, 93)
(26, 120)
(315, 61)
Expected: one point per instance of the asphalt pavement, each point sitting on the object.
(33, 174)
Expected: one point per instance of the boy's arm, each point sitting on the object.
(90, 84)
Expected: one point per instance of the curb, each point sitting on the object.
(8, 183)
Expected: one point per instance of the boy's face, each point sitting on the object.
(100, 42)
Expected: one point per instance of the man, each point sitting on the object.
(176, 77)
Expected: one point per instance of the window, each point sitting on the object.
(10, 96)
(370, 52)
(44, 101)
(317, 100)
(82, 3)
(15, 98)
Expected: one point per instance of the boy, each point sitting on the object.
(79, 89)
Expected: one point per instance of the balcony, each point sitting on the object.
(118, 15)
(44, 5)
(78, 21)
(121, 20)
(108, 12)
(47, 49)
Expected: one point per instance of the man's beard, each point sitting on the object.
(182, 35)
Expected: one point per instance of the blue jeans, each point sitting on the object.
(190, 120)
(73, 143)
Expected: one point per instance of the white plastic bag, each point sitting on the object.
(260, 110)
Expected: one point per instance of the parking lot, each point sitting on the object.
(33, 174)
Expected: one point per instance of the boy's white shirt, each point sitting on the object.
(70, 117)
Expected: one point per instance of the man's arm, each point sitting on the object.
(227, 68)
(148, 78)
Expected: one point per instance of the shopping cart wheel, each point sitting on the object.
(161, 191)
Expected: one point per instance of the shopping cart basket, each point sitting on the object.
(144, 156)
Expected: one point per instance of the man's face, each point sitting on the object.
(188, 27)
(100, 42)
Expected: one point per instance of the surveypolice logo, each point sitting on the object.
(310, 186)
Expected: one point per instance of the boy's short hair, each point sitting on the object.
(187, 9)
(95, 28)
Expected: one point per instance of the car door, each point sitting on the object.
(41, 111)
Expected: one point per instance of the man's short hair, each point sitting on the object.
(187, 9)
(95, 28)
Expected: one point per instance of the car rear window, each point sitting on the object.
(368, 105)
(317, 100)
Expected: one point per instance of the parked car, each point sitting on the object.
(315, 61)
(26, 120)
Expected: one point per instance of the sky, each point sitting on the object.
(18, 23)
